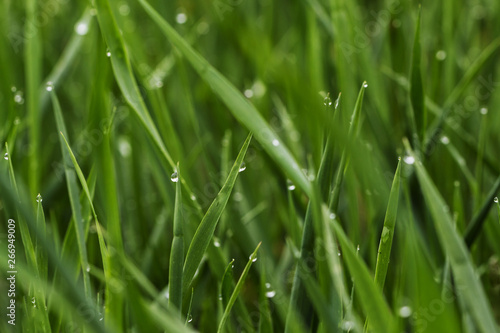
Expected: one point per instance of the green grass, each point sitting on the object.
(154, 150)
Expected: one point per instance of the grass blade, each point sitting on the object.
(417, 96)
(385, 245)
(73, 196)
(177, 252)
(466, 279)
(205, 231)
(227, 284)
(237, 289)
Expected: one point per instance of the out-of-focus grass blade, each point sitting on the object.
(462, 164)
(73, 195)
(205, 231)
(466, 279)
(370, 296)
(240, 107)
(227, 284)
(474, 227)
(385, 245)
(416, 86)
(237, 289)
(266, 319)
(177, 252)
(471, 73)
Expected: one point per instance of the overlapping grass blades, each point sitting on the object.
(454, 247)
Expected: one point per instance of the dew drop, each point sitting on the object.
(33, 300)
(167, 294)
(253, 259)
(268, 285)
(17, 121)
(409, 159)
(327, 101)
(124, 147)
(124, 9)
(338, 254)
(6, 156)
(88, 268)
(276, 143)
(38, 198)
(440, 55)
(220, 297)
(190, 318)
(248, 93)
(81, 28)
(216, 243)
(243, 167)
(18, 97)
(405, 311)
(332, 216)
(365, 85)
(445, 140)
(193, 197)
(174, 177)
(347, 325)
(385, 234)
(290, 185)
(483, 111)
(495, 200)
(181, 18)
(108, 53)
(49, 86)
(13, 89)
(270, 293)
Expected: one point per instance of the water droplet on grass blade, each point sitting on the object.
(6, 156)
(174, 178)
(253, 259)
(108, 53)
(365, 85)
(81, 28)
(347, 325)
(18, 97)
(49, 86)
(405, 311)
(181, 18)
(38, 198)
(270, 293)
(327, 101)
(216, 243)
(445, 140)
(290, 185)
(385, 234)
(409, 159)
(484, 111)
(268, 285)
(88, 268)
(495, 200)
(276, 143)
(440, 55)
(242, 167)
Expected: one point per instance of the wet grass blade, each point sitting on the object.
(240, 107)
(385, 245)
(475, 225)
(205, 231)
(454, 247)
(177, 252)
(73, 193)
(237, 289)
(227, 284)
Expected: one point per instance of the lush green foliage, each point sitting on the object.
(187, 166)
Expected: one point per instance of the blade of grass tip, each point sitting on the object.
(241, 108)
(385, 245)
(227, 284)
(475, 225)
(417, 97)
(206, 229)
(177, 252)
(189, 315)
(353, 128)
(467, 283)
(125, 78)
(237, 289)
(369, 294)
(73, 196)
(469, 75)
